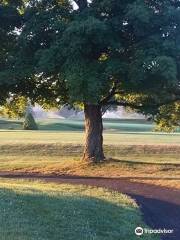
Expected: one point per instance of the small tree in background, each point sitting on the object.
(29, 122)
(14, 107)
(168, 119)
(19, 107)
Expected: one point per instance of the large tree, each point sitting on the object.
(100, 53)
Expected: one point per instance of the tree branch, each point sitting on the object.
(176, 92)
(125, 104)
(111, 94)
(142, 106)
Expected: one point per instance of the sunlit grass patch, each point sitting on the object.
(75, 137)
(159, 163)
(43, 211)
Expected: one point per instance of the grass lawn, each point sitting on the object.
(78, 125)
(116, 132)
(110, 125)
(157, 165)
(75, 137)
(141, 156)
(42, 211)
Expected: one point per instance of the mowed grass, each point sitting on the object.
(32, 210)
(149, 156)
(58, 124)
(116, 132)
(78, 138)
(155, 164)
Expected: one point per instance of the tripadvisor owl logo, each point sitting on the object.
(139, 231)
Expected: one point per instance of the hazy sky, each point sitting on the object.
(75, 5)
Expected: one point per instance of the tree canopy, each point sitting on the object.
(10, 19)
(103, 52)
(100, 53)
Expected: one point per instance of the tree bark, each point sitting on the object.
(93, 150)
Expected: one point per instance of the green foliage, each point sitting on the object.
(105, 50)
(10, 19)
(72, 212)
(14, 107)
(29, 122)
(168, 118)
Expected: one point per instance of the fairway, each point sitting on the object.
(56, 150)
(58, 124)
(71, 131)
(36, 210)
(158, 165)
(75, 137)
(43, 211)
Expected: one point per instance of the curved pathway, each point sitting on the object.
(160, 206)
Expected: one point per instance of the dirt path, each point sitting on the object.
(160, 206)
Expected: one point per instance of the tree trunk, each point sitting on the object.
(93, 150)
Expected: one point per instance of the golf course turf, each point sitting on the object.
(35, 210)
(140, 163)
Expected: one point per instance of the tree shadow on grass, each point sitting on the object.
(160, 205)
(53, 216)
(56, 177)
(62, 127)
(135, 162)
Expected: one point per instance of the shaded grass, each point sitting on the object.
(78, 124)
(110, 125)
(10, 124)
(43, 211)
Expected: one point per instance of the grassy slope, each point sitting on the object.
(35, 210)
(110, 125)
(78, 125)
(71, 131)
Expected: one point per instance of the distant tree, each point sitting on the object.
(19, 107)
(29, 122)
(104, 53)
(14, 107)
(168, 118)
